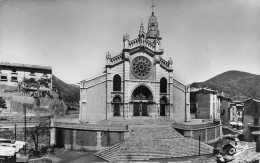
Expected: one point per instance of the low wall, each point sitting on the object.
(40, 160)
(90, 139)
(209, 133)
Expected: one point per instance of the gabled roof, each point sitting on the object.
(204, 90)
(252, 99)
(19, 65)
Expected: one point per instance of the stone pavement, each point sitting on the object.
(247, 156)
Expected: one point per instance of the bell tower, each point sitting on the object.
(153, 32)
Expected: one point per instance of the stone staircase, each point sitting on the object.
(229, 131)
(107, 154)
(138, 121)
(153, 142)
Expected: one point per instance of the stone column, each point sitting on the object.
(126, 111)
(157, 107)
(206, 135)
(216, 128)
(191, 134)
(53, 136)
(74, 138)
(126, 135)
(220, 131)
(99, 140)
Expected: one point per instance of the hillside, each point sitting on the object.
(239, 85)
(68, 92)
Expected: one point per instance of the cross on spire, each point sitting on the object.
(153, 6)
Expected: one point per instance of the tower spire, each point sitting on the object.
(141, 30)
(153, 5)
(153, 31)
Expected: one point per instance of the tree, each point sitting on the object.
(59, 107)
(40, 130)
(2, 103)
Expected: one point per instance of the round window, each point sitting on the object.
(141, 67)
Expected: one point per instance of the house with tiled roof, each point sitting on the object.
(204, 104)
(251, 118)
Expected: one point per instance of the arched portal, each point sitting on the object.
(163, 103)
(116, 102)
(142, 99)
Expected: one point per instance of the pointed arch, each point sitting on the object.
(117, 83)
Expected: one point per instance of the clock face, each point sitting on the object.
(141, 67)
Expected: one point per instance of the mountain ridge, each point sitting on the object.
(239, 85)
(68, 92)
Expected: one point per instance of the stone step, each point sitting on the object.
(108, 153)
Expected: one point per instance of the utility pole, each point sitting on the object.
(24, 106)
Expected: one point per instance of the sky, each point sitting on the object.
(203, 37)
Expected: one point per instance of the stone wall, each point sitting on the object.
(111, 138)
(179, 102)
(93, 101)
(91, 140)
(201, 133)
(41, 160)
(86, 138)
(210, 134)
(248, 119)
(207, 134)
(224, 111)
(203, 111)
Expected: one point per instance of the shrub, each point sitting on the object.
(59, 107)
(2, 103)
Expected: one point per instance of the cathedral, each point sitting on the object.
(138, 82)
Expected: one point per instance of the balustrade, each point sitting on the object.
(164, 63)
(141, 41)
(116, 59)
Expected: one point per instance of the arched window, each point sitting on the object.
(163, 85)
(117, 83)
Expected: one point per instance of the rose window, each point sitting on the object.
(141, 67)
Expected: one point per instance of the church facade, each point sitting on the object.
(138, 82)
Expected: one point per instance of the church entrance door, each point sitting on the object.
(163, 103)
(116, 103)
(136, 109)
(144, 109)
(116, 109)
(140, 109)
(162, 110)
(141, 98)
